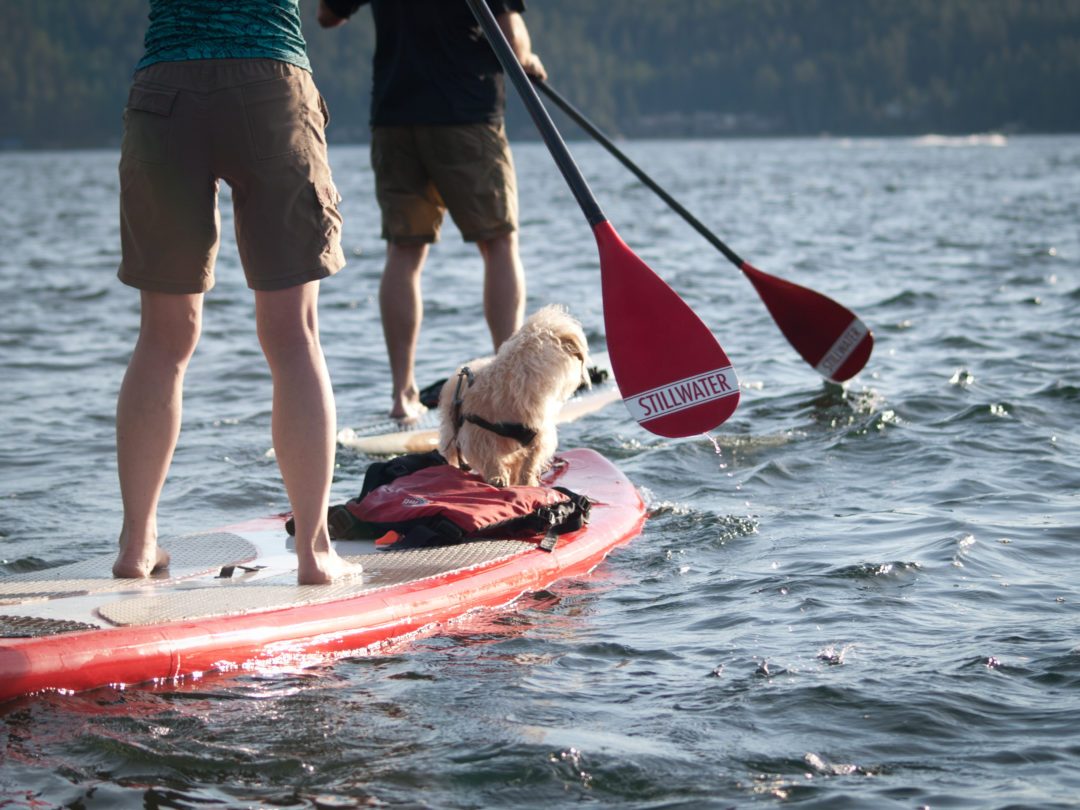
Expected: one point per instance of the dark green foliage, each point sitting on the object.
(680, 67)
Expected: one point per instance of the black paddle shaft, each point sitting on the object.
(563, 159)
(604, 141)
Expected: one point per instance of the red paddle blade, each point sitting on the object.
(829, 336)
(673, 375)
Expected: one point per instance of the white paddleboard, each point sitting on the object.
(388, 438)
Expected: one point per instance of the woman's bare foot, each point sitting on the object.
(324, 567)
(138, 560)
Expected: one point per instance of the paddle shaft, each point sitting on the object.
(829, 337)
(563, 159)
(606, 142)
(672, 373)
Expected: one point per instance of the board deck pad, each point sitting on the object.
(390, 437)
(382, 569)
(190, 555)
(35, 626)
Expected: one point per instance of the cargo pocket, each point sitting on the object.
(324, 110)
(280, 116)
(327, 214)
(147, 123)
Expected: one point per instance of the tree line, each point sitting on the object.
(638, 68)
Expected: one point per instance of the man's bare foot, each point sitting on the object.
(137, 562)
(407, 409)
(325, 567)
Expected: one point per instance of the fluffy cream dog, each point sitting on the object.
(498, 414)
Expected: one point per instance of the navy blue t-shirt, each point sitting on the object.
(433, 64)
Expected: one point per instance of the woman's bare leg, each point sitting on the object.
(304, 422)
(148, 415)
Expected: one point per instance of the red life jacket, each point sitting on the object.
(426, 502)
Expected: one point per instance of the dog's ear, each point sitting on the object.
(573, 346)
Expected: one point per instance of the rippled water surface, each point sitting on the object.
(869, 598)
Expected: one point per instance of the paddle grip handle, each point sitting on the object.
(563, 159)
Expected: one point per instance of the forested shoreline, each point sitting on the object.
(681, 68)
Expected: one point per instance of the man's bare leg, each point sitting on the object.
(504, 286)
(304, 423)
(402, 307)
(148, 413)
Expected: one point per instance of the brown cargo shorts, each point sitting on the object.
(423, 171)
(257, 124)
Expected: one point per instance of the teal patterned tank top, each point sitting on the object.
(224, 29)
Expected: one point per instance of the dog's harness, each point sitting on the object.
(511, 430)
(523, 434)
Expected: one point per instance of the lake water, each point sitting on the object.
(869, 598)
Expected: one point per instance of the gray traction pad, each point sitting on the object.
(33, 626)
(428, 420)
(190, 554)
(382, 569)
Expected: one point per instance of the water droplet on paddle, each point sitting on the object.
(715, 444)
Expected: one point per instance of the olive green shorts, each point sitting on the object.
(257, 124)
(423, 171)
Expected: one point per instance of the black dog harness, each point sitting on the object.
(511, 430)
(523, 434)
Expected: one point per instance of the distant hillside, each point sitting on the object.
(673, 68)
